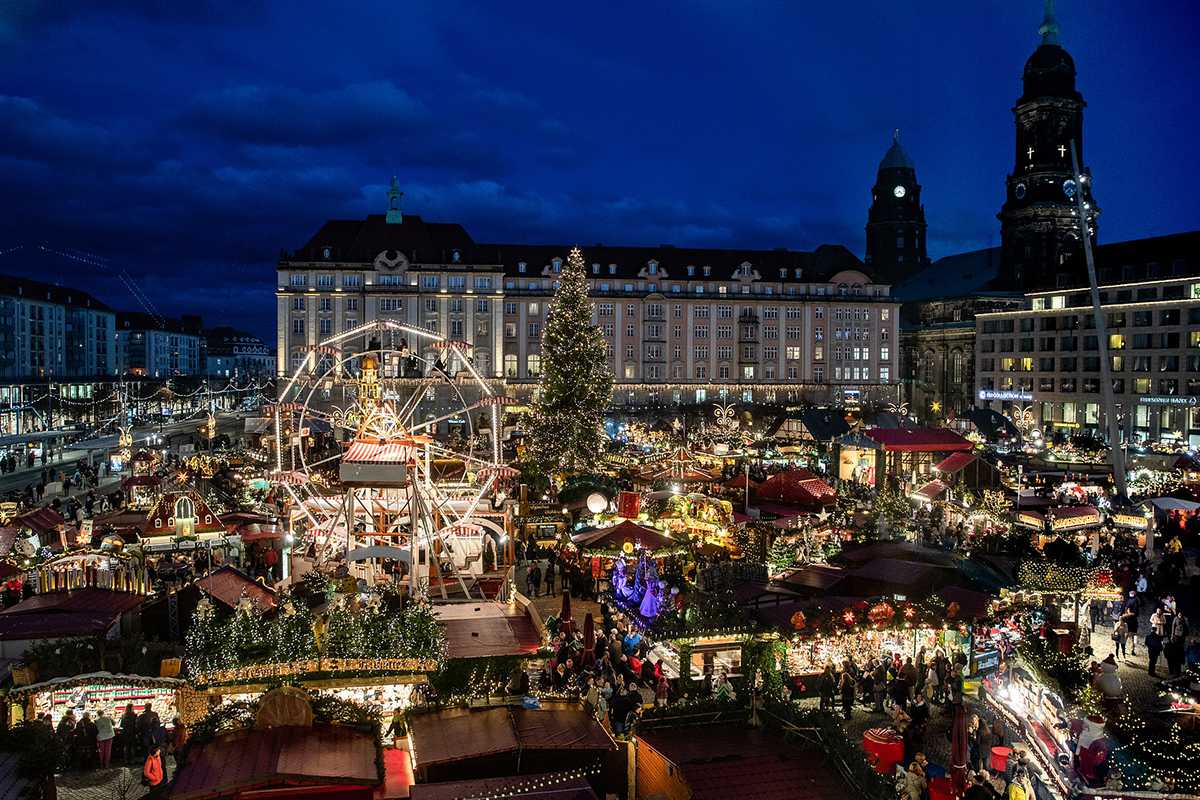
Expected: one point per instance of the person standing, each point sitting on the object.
(1175, 646)
(105, 733)
(1154, 647)
(1119, 635)
(1130, 616)
(549, 577)
(129, 734)
(536, 578)
(847, 687)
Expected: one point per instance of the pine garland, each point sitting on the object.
(567, 432)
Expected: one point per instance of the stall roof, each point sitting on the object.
(932, 490)
(719, 761)
(41, 520)
(545, 786)
(486, 630)
(955, 462)
(288, 756)
(445, 737)
(797, 486)
(919, 440)
(58, 615)
(613, 537)
(227, 584)
(8, 536)
(1072, 512)
(817, 577)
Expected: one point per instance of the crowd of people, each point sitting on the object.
(88, 742)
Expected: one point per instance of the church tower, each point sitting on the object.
(1039, 222)
(896, 221)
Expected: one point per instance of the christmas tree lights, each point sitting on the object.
(576, 385)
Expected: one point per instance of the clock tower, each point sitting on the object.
(1039, 221)
(896, 221)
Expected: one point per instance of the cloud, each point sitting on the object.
(279, 115)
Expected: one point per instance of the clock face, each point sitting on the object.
(1069, 188)
(898, 191)
(1019, 191)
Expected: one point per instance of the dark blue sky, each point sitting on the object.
(190, 142)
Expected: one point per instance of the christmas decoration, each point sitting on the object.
(576, 385)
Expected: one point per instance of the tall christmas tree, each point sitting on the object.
(576, 387)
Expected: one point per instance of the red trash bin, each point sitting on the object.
(1000, 759)
(941, 789)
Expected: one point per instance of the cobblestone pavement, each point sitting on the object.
(937, 736)
(121, 783)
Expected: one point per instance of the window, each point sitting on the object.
(701, 371)
(792, 353)
(535, 309)
(510, 330)
(185, 508)
(297, 327)
(605, 309)
(297, 304)
(535, 330)
(885, 374)
(533, 365)
(818, 352)
(326, 304)
(725, 352)
(298, 280)
(431, 281)
(510, 365)
(325, 281)
(700, 312)
(326, 326)
(483, 305)
(723, 370)
(352, 304)
(725, 312)
(352, 281)
(511, 308)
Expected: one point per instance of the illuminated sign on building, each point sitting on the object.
(1167, 400)
(1005, 394)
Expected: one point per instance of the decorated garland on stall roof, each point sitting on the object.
(933, 612)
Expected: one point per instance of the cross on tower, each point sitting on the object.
(1030, 153)
(1062, 151)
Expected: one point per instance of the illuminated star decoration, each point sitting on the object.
(935, 406)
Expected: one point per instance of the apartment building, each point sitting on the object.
(1046, 355)
(52, 332)
(683, 325)
(155, 347)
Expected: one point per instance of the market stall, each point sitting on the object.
(108, 692)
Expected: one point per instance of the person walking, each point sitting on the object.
(153, 774)
(1119, 635)
(105, 733)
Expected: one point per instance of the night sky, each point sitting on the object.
(189, 142)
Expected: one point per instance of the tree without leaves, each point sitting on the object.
(576, 384)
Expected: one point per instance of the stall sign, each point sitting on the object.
(1136, 521)
(986, 661)
(1091, 517)
(1030, 520)
(629, 504)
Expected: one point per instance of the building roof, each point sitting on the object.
(227, 585)
(58, 615)
(957, 275)
(486, 630)
(722, 761)
(460, 734)
(141, 321)
(15, 286)
(421, 242)
(287, 756)
(543, 786)
(919, 440)
(895, 157)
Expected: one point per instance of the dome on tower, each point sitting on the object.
(895, 157)
(1050, 72)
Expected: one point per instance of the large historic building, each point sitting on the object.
(683, 325)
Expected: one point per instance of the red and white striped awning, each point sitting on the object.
(500, 473)
(375, 453)
(290, 477)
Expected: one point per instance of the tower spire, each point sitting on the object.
(1049, 28)
(394, 194)
(896, 136)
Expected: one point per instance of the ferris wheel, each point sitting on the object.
(392, 453)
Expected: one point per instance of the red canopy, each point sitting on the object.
(954, 462)
(40, 520)
(740, 481)
(919, 440)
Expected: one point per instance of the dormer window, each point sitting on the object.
(595, 269)
(455, 256)
(691, 271)
(653, 267)
(327, 253)
(722, 290)
(556, 263)
(520, 266)
(783, 274)
(612, 269)
(707, 271)
(798, 273)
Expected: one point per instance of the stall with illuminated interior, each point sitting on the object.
(107, 692)
(106, 569)
(1037, 712)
